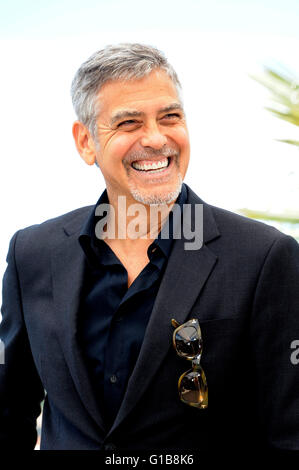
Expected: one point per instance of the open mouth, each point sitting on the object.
(149, 166)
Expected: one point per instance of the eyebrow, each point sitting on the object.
(130, 113)
(126, 113)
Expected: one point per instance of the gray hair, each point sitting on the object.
(115, 62)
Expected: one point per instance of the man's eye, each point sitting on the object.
(129, 122)
(172, 116)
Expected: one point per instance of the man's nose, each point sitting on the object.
(153, 137)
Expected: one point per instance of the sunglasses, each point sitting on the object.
(192, 385)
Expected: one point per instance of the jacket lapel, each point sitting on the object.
(180, 287)
(68, 264)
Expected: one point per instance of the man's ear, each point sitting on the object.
(84, 143)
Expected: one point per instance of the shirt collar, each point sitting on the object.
(88, 229)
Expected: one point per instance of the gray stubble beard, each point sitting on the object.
(154, 199)
(157, 199)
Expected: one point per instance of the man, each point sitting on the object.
(89, 311)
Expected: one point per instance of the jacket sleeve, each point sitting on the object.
(21, 391)
(274, 332)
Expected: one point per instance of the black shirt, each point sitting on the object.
(113, 317)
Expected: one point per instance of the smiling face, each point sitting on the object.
(143, 144)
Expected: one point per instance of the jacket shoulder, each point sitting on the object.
(43, 236)
(237, 231)
(71, 219)
(238, 224)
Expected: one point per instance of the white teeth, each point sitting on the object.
(151, 166)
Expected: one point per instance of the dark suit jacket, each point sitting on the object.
(242, 285)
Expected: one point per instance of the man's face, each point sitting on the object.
(143, 143)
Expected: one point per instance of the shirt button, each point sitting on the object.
(113, 379)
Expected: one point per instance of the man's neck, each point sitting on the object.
(135, 224)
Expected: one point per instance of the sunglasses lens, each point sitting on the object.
(188, 341)
(193, 389)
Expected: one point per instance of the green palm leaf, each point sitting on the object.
(291, 142)
(284, 89)
(285, 96)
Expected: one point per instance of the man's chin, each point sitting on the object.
(153, 197)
